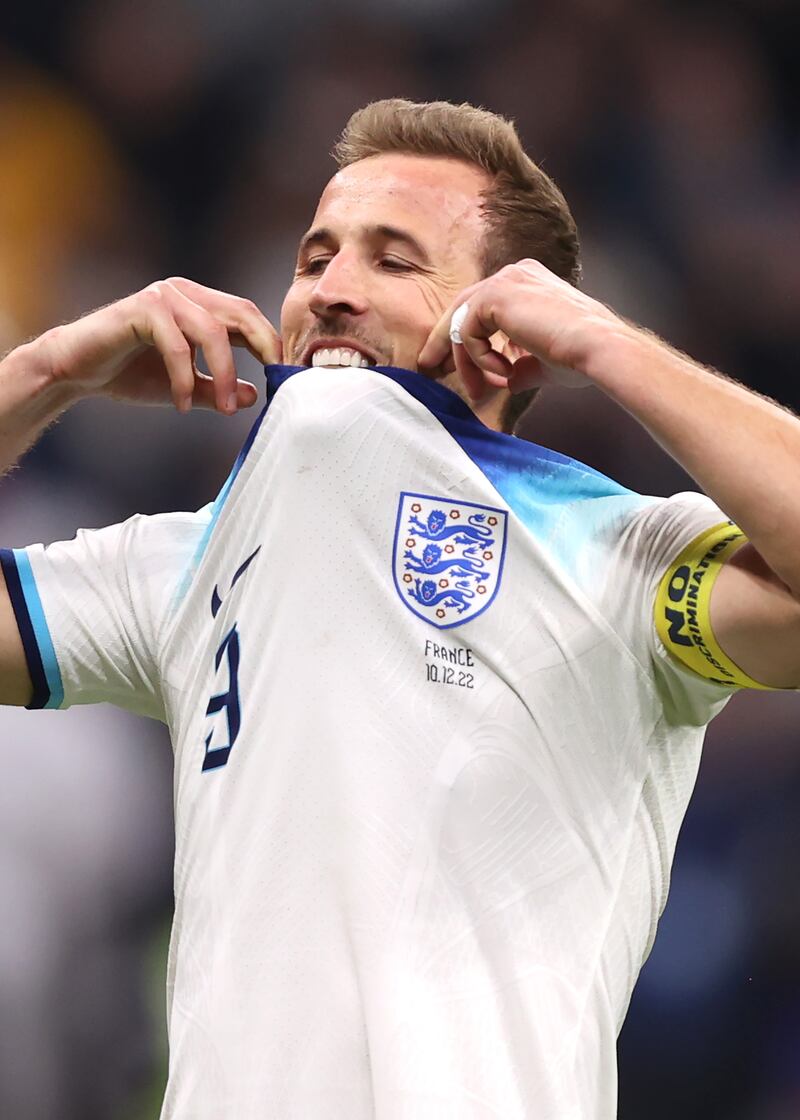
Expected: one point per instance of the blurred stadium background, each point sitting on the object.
(140, 139)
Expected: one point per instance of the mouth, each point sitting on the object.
(326, 353)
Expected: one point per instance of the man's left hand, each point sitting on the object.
(551, 325)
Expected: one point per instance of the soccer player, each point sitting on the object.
(437, 695)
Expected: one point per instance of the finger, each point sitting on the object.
(208, 332)
(495, 366)
(438, 345)
(471, 376)
(476, 380)
(205, 393)
(264, 356)
(158, 326)
(246, 323)
(445, 368)
(474, 324)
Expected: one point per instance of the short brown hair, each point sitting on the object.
(526, 214)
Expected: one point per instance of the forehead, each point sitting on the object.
(434, 196)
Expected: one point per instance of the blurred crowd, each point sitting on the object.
(141, 139)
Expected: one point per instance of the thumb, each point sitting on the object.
(203, 394)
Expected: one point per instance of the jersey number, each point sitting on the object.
(227, 701)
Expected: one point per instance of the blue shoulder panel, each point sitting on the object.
(548, 491)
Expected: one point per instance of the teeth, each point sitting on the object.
(339, 356)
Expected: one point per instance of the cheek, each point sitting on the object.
(435, 303)
(292, 312)
(418, 309)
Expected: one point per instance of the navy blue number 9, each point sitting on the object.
(225, 701)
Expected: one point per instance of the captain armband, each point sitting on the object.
(682, 606)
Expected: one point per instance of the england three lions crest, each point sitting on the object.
(448, 557)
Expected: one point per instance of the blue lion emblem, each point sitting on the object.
(427, 592)
(451, 557)
(436, 528)
(432, 563)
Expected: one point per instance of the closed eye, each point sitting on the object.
(315, 265)
(394, 264)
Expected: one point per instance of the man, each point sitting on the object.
(437, 695)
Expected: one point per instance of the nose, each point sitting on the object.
(340, 289)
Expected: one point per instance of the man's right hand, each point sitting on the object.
(142, 348)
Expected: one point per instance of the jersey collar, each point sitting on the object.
(436, 397)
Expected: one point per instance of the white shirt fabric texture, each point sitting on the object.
(431, 759)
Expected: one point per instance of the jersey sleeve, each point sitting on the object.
(93, 612)
(664, 565)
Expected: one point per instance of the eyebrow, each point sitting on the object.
(323, 236)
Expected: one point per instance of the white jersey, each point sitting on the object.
(430, 756)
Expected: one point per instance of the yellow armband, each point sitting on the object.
(682, 606)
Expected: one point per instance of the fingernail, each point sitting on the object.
(232, 402)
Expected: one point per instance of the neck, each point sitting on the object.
(489, 409)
